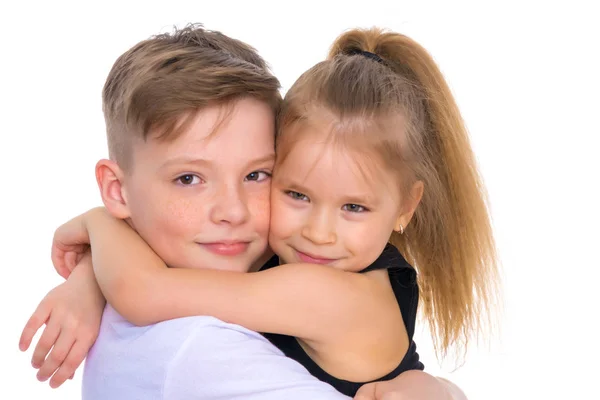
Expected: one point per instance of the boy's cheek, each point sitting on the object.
(259, 206)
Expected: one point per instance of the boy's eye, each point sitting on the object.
(189, 179)
(296, 195)
(354, 208)
(257, 176)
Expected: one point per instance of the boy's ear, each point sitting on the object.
(110, 182)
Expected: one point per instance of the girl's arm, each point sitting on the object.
(303, 300)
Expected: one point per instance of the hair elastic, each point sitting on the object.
(367, 54)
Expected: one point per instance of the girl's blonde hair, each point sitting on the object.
(382, 92)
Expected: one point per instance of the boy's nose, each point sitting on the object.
(230, 207)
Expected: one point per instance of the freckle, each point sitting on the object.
(177, 209)
(262, 206)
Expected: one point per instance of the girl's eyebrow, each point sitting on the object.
(291, 185)
(354, 198)
(360, 199)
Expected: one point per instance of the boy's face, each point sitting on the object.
(202, 200)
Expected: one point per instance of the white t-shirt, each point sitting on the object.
(192, 358)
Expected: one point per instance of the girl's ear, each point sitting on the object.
(409, 206)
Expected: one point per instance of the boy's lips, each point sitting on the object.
(228, 248)
(314, 259)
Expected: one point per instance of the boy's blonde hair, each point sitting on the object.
(382, 94)
(159, 84)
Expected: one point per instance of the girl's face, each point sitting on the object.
(331, 205)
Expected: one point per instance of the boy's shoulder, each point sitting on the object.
(185, 357)
(153, 355)
(113, 324)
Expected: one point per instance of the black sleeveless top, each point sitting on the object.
(403, 279)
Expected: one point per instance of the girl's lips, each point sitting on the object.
(312, 259)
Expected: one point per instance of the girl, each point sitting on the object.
(374, 174)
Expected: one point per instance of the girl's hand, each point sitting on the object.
(72, 313)
(71, 241)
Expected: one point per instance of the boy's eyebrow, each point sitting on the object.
(185, 160)
(269, 158)
(200, 161)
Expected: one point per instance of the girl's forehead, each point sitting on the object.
(316, 158)
(340, 143)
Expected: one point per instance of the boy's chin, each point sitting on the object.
(260, 261)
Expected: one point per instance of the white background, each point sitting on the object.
(525, 75)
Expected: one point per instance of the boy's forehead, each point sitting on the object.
(209, 122)
(214, 131)
(194, 125)
(192, 128)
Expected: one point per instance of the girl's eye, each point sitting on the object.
(257, 176)
(355, 208)
(189, 179)
(296, 195)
